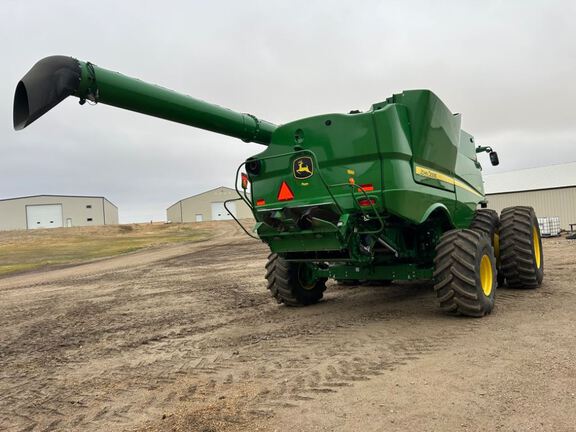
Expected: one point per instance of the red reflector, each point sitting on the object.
(285, 193)
(367, 187)
(260, 202)
(366, 203)
(244, 181)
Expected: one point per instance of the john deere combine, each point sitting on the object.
(393, 193)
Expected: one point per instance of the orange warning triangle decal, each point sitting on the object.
(285, 194)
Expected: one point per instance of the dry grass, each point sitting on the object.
(34, 249)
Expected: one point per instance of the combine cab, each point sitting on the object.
(393, 193)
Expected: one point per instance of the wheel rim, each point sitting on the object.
(306, 277)
(536, 241)
(486, 275)
(496, 243)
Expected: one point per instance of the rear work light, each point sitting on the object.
(285, 193)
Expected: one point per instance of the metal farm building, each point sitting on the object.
(208, 206)
(551, 190)
(54, 211)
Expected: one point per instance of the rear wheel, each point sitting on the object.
(465, 273)
(521, 244)
(486, 221)
(293, 283)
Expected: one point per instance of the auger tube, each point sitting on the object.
(53, 79)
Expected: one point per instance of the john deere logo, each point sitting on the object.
(303, 167)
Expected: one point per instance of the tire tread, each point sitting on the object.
(518, 262)
(282, 281)
(455, 273)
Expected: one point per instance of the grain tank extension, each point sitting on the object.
(392, 193)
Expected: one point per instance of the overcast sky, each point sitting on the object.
(508, 66)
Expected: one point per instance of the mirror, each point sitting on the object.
(494, 158)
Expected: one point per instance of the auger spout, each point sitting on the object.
(53, 79)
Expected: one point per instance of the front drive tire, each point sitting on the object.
(465, 275)
(522, 256)
(290, 283)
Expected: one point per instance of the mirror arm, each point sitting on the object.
(486, 149)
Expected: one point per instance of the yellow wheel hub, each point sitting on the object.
(486, 275)
(305, 277)
(536, 241)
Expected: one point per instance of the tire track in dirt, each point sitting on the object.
(303, 376)
(114, 349)
(225, 233)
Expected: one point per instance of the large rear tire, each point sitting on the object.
(487, 221)
(290, 282)
(465, 273)
(521, 245)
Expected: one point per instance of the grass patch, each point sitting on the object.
(34, 249)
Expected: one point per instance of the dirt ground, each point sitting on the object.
(186, 338)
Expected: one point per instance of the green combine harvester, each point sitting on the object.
(393, 193)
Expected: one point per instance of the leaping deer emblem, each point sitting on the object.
(303, 168)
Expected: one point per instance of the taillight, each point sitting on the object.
(366, 202)
(260, 202)
(366, 187)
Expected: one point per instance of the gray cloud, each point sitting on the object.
(507, 66)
